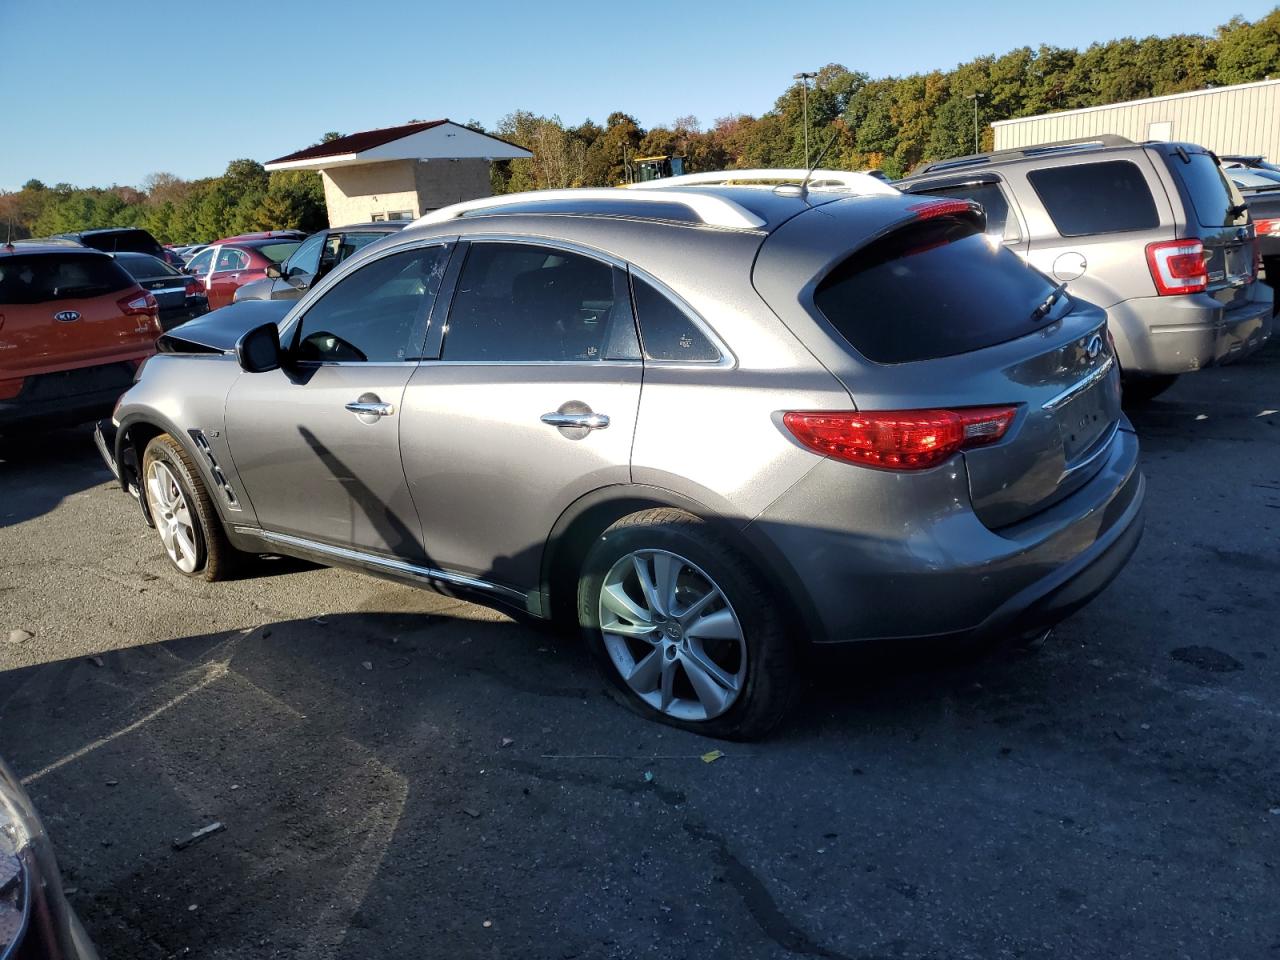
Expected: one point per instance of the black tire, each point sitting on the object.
(215, 558)
(765, 690)
(1143, 389)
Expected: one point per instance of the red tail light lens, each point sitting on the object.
(898, 439)
(940, 208)
(1267, 228)
(141, 304)
(1177, 266)
(193, 287)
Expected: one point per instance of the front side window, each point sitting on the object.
(993, 201)
(520, 302)
(376, 314)
(1088, 198)
(305, 261)
(666, 330)
(199, 264)
(229, 258)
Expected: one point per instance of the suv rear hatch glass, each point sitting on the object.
(123, 241)
(1217, 215)
(965, 322)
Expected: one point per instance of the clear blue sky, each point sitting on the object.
(107, 91)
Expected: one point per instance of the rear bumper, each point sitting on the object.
(1171, 335)
(60, 399)
(912, 561)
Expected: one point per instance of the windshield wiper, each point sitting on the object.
(1044, 308)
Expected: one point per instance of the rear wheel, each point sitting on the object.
(184, 516)
(684, 628)
(1141, 389)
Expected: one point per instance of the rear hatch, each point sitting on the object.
(940, 317)
(166, 284)
(1215, 213)
(63, 310)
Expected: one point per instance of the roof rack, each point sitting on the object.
(712, 210)
(1032, 150)
(860, 183)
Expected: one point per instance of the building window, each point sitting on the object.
(378, 217)
(400, 215)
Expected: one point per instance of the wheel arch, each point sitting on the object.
(590, 515)
(134, 433)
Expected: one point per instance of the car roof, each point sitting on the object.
(44, 246)
(1103, 143)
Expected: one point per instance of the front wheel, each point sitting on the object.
(183, 513)
(684, 628)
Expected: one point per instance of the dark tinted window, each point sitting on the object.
(665, 329)
(39, 278)
(516, 301)
(378, 313)
(934, 289)
(1087, 198)
(141, 266)
(132, 241)
(1210, 193)
(278, 252)
(993, 202)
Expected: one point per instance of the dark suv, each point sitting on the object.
(1151, 232)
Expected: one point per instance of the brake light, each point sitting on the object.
(140, 305)
(940, 208)
(1267, 228)
(193, 288)
(1177, 266)
(898, 439)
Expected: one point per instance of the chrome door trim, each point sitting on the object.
(401, 567)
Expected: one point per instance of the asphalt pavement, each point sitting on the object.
(400, 774)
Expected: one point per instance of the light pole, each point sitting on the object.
(975, 97)
(804, 78)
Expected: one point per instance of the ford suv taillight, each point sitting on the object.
(1177, 266)
(898, 439)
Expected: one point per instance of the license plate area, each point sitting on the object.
(1084, 420)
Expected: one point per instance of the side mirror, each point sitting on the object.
(273, 271)
(259, 349)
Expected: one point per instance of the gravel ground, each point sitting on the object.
(402, 774)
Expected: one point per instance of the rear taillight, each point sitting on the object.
(1267, 228)
(1177, 266)
(140, 305)
(898, 439)
(193, 287)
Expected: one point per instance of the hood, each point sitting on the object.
(217, 332)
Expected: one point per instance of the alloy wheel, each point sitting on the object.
(672, 635)
(172, 516)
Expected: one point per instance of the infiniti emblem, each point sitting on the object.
(1093, 347)
(67, 316)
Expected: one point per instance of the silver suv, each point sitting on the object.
(709, 424)
(1151, 232)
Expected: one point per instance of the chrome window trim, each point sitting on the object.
(588, 364)
(387, 563)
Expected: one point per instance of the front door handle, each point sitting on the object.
(371, 408)
(591, 421)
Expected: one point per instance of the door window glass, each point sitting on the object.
(667, 331)
(378, 314)
(199, 264)
(305, 261)
(516, 301)
(229, 258)
(1086, 198)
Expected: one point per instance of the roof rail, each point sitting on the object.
(712, 210)
(1018, 153)
(860, 183)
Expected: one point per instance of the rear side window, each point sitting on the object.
(666, 330)
(1087, 198)
(1210, 193)
(39, 278)
(519, 302)
(933, 289)
(993, 202)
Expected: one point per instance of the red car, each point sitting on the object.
(232, 262)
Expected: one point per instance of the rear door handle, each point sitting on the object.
(591, 421)
(371, 408)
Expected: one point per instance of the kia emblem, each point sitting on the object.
(67, 316)
(1093, 347)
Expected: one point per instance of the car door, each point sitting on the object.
(199, 266)
(224, 279)
(298, 273)
(531, 404)
(316, 442)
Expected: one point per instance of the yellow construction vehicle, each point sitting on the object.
(656, 168)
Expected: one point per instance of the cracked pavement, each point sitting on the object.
(1112, 793)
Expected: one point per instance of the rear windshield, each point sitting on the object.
(1209, 190)
(934, 289)
(1087, 198)
(278, 252)
(132, 241)
(41, 277)
(141, 266)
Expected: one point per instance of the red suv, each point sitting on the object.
(227, 264)
(74, 326)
